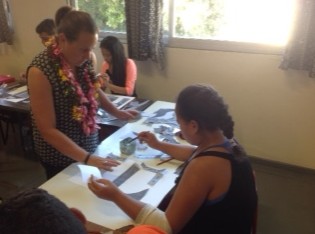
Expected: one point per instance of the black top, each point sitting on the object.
(232, 213)
(63, 104)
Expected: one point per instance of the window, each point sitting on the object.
(108, 14)
(233, 25)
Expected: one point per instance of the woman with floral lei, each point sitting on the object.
(63, 94)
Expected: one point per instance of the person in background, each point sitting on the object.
(215, 191)
(61, 12)
(64, 90)
(34, 210)
(46, 30)
(119, 72)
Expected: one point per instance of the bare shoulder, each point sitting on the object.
(34, 71)
(209, 165)
(93, 59)
(38, 85)
(131, 62)
(36, 78)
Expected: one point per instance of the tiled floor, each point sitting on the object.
(286, 195)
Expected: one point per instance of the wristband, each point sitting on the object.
(87, 158)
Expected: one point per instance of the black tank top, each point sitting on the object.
(234, 212)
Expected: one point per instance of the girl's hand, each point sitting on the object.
(103, 79)
(103, 188)
(103, 76)
(149, 138)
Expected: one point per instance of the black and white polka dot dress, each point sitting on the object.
(63, 104)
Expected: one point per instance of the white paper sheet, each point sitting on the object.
(87, 171)
(18, 90)
(15, 100)
(134, 183)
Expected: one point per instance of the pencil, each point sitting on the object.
(131, 140)
(164, 161)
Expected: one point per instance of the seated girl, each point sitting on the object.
(119, 72)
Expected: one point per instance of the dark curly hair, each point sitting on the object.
(46, 26)
(36, 211)
(203, 104)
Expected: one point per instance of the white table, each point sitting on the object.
(68, 186)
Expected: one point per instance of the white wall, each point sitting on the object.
(26, 15)
(273, 109)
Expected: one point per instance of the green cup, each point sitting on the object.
(127, 146)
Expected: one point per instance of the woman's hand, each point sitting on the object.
(103, 188)
(102, 163)
(104, 79)
(127, 114)
(149, 138)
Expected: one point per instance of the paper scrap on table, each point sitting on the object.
(15, 100)
(18, 90)
(146, 114)
(144, 151)
(87, 171)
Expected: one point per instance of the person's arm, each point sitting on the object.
(178, 151)
(141, 212)
(108, 106)
(104, 67)
(103, 76)
(116, 88)
(41, 101)
(200, 176)
(94, 59)
(131, 76)
(105, 189)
